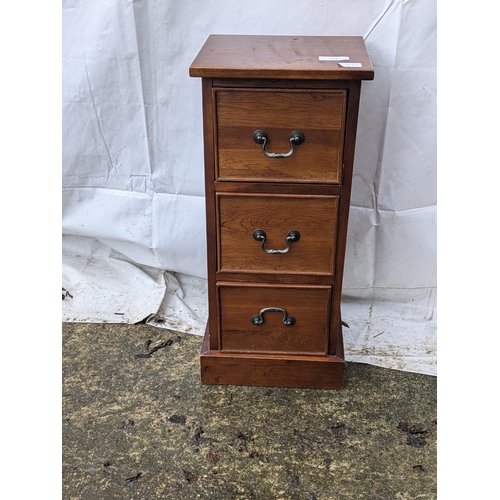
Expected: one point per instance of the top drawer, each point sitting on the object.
(318, 114)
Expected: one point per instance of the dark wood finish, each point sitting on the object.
(310, 306)
(279, 85)
(351, 128)
(315, 217)
(308, 372)
(286, 57)
(297, 279)
(319, 114)
(273, 188)
(208, 135)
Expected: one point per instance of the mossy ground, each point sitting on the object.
(145, 428)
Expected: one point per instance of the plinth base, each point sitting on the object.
(307, 372)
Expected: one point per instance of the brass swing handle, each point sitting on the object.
(258, 319)
(260, 235)
(260, 137)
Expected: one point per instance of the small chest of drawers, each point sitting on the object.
(280, 117)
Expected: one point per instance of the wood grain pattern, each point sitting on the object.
(349, 150)
(315, 217)
(271, 83)
(270, 278)
(277, 188)
(308, 305)
(310, 372)
(278, 84)
(211, 218)
(320, 115)
(288, 57)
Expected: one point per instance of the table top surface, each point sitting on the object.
(289, 57)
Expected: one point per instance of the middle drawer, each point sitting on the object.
(286, 234)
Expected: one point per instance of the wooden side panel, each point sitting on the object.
(211, 227)
(349, 149)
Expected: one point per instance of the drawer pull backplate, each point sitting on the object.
(260, 235)
(296, 137)
(258, 319)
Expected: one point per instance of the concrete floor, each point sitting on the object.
(145, 428)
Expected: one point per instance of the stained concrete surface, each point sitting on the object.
(145, 428)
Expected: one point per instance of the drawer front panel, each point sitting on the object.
(252, 318)
(319, 115)
(313, 217)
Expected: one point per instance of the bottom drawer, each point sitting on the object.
(274, 319)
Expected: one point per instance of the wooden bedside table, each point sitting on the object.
(280, 116)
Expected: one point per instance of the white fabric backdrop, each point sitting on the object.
(133, 205)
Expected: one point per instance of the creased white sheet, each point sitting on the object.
(133, 163)
(101, 285)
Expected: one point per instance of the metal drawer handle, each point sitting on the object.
(296, 137)
(260, 235)
(287, 320)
